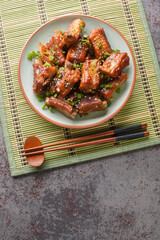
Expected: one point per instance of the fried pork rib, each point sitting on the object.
(70, 89)
(91, 103)
(113, 86)
(115, 63)
(53, 51)
(55, 46)
(77, 52)
(73, 32)
(67, 82)
(99, 42)
(61, 105)
(90, 75)
(41, 75)
(68, 65)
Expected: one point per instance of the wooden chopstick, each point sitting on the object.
(99, 141)
(94, 136)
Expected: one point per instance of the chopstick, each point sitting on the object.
(94, 136)
(99, 141)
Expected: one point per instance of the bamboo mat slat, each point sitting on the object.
(17, 22)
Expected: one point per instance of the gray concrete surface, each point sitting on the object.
(116, 198)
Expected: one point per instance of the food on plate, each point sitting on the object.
(99, 43)
(42, 75)
(112, 86)
(115, 63)
(77, 74)
(90, 75)
(73, 32)
(77, 52)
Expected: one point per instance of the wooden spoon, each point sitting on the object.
(34, 160)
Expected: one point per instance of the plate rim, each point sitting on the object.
(86, 125)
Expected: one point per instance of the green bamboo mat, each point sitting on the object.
(17, 22)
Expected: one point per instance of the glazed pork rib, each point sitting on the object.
(61, 105)
(91, 103)
(67, 82)
(99, 43)
(90, 75)
(78, 74)
(41, 75)
(55, 46)
(115, 63)
(113, 85)
(73, 32)
(77, 52)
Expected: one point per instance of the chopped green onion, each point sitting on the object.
(74, 65)
(106, 54)
(47, 94)
(55, 95)
(111, 99)
(51, 109)
(84, 41)
(40, 98)
(38, 54)
(62, 69)
(115, 50)
(44, 106)
(56, 63)
(48, 88)
(101, 74)
(108, 86)
(69, 101)
(60, 75)
(33, 54)
(109, 103)
(85, 36)
(109, 78)
(46, 53)
(64, 52)
(117, 84)
(102, 86)
(100, 58)
(51, 58)
(85, 115)
(80, 95)
(80, 65)
(99, 44)
(81, 26)
(118, 90)
(57, 46)
(46, 64)
(95, 63)
(92, 92)
(74, 102)
(52, 51)
(51, 93)
(63, 32)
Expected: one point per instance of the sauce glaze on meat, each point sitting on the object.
(76, 73)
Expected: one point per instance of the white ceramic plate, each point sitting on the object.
(43, 34)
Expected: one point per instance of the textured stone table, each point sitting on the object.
(113, 198)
